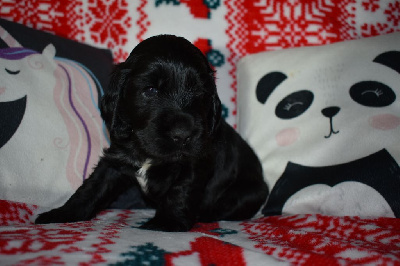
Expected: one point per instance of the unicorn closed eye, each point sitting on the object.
(51, 132)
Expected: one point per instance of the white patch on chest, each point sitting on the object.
(141, 175)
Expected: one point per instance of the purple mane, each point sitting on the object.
(16, 53)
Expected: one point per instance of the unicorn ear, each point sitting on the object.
(49, 51)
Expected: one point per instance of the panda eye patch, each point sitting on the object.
(372, 94)
(294, 104)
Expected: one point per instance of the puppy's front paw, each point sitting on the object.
(158, 224)
(47, 218)
(53, 216)
(57, 216)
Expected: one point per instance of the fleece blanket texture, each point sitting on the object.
(114, 239)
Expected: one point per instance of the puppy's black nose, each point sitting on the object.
(180, 135)
(330, 111)
(180, 128)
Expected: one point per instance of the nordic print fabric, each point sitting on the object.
(224, 30)
(114, 239)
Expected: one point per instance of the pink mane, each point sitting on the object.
(76, 97)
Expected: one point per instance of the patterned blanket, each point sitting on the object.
(225, 31)
(114, 239)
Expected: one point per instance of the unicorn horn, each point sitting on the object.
(8, 39)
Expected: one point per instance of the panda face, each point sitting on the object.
(335, 113)
(332, 144)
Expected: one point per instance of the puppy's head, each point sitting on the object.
(163, 99)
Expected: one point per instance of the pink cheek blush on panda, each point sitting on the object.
(384, 121)
(287, 136)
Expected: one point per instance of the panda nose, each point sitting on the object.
(330, 111)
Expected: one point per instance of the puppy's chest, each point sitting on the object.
(142, 176)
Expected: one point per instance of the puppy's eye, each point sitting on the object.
(150, 92)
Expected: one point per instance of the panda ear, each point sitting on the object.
(267, 84)
(390, 59)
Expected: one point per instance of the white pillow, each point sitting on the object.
(51, 132)
(325, 122)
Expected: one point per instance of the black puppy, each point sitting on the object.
(167, 135)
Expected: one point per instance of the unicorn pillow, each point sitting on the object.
(51, 132)
(325, 121)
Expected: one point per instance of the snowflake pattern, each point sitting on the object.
(109, 22)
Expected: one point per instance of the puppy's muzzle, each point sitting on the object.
(180, 136)
(180, 128)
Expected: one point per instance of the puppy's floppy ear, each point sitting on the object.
(111, 100)
(215, 114)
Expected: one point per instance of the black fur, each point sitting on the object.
(162, 108)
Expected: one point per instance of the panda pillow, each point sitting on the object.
(325, 122)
